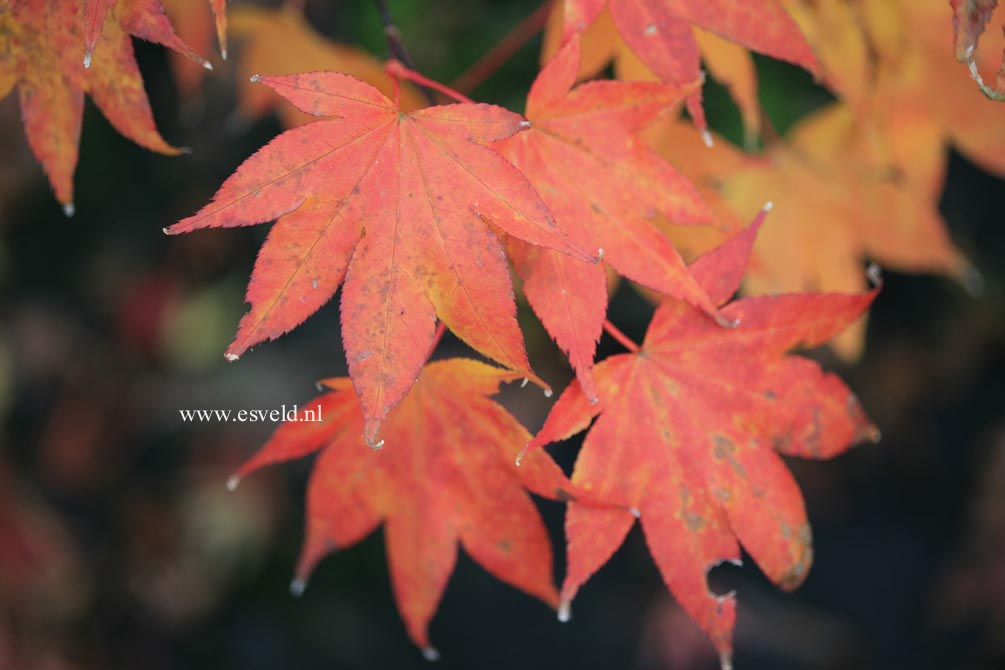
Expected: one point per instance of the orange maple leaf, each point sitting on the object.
(43, 56)
(398, 205)
(603, 188)
(687, 433)
(446, 476)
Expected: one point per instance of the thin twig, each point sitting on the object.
(396, 46)
(622, 339)
(397, 70)
(500, 54)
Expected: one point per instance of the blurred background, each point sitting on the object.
(120, 546)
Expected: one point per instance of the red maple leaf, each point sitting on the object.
(398, 205)
(42, 54)
(688, 433)
(446, 476)
(604, 187)
(660, 33)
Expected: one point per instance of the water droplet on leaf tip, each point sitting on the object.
(314, 283)
(706, 137)
(548, 393)
(635, 512)
(564, 611)
(233, 483)
(377, 445)
(165, 231)
(524, 382)
(297, 587)
(223, 53)
(231, 357)
(431, 654)
(973, 281)
(255, 78)
(600, 254)
(206, 64)
(519, 457)
(69, 210)
(768, 206)
(87, 60)
(874, 274)
(525, 124)
(725, 661)
(319, 386)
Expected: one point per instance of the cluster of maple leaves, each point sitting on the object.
(418, 213)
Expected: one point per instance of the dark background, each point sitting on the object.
(121, 548)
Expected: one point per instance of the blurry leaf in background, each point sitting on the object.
(280, 41)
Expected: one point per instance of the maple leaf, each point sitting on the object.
(399, 206)
(687, 433)
(603, 188)
(447, 476)
(660, 33)
(43, 57)
(836, 203)
(282, 42)
(197, 25)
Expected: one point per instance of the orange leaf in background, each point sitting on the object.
(603, 187)
(835, 204)
(399, 206)
(280, 42)
(445, 476)
(687, 437)
(661, 34)
(729, 63)
(43, 51)
(195, 24)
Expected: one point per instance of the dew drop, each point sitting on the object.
(377, 445)
(206, 64)
(525, 124)
(431, 654)
(725, 661)
(600, 254)
(706, 137)
(87, 60)
(319, 386)
(635, 512)
(768, 206)
(564, 611)
(519, 457)
(223, 53)
(233, 483)
(314, 283)
(298, 586)
(650, 30)
(69, 209)
(548, 393)
(524, 382)
(255, 78)
(874, 274)
(231, 357)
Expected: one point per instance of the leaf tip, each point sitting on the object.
(87, 60)
(635, 512)
(525, 124)
(255, 78)
(69, 210)
(725, 660)
(231, 357)
(564, 611)
(223, 53)
(376, 445)
(600, 254)
(768, 206)
(548, 392)
(297, 587)
(431, 654)
(206, 64)
(233, 482)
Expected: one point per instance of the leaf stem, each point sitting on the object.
(396, 68)
(622, 339)
(504, 50)
(396, 46)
